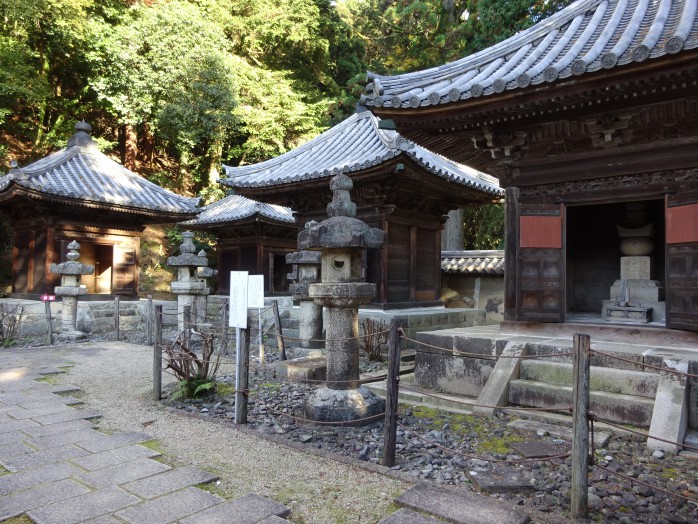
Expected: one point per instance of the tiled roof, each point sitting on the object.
(83, 173)
(587, 36)
(481, 262)
(353, 145)
(237, 207)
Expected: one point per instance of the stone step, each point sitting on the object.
(618, 408)
(456, 506)
(610, 380)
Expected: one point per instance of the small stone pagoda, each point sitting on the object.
(79, 193)
(342, 238)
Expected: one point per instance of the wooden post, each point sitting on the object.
(186, 313)
(390, 425)
(224, 328)
(117, 299)
(157, 355)
(242, 376)
(149, 321)
(580, 427)
(49, 322)
(279, 338)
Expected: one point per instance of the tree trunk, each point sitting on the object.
(452, 236)
(130, 146)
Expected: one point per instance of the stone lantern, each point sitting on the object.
(70, 289)
(342, 239)
(310, 318)
(189, 285)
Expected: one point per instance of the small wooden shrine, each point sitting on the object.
(78, 193)
(589, 121)
(251, 236)
(399, 187)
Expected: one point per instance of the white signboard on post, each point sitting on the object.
(255, 291)
(238, 299)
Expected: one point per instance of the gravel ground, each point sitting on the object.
(117, 381)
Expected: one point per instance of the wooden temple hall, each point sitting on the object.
(78, 193)
(399, 187)
(589, 120)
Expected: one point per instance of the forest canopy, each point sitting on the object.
(173, 88)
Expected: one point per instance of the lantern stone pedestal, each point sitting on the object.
(310, 314)
(189, 286)
(69, 290)
(341, 238)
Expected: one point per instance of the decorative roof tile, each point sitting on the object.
(237, 207)
(82, 172)
(479, 262)
(355, 144)
(586, 36)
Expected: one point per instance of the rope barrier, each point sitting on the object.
(650, 366)
(471, 456)
(648, 436)
(515, 408)
(456, 353)
(359, 337)
(638, 481)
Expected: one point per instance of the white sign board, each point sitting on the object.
(238, 299)
(255, 291)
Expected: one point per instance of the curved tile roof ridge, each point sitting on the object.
(586, 36)
(81, 171)
(355, 144)
(238, 207)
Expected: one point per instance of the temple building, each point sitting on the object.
(250, 236)
(78, 193)
(589, 120)
(399, 187)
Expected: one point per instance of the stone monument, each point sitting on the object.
(70, 289)
(310, 316)
(342, 239)
(635, 297)
(189, 286)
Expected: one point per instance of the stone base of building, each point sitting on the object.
(358, 406)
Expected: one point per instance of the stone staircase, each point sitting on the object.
(620, 395)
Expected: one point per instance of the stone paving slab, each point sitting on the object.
(407, 516)
(70, 414)
(273, 520)
(65, 388)
(53, 400)
(504, 479)
(14, 449)
(114, 456)
(83, 507)
(459, 506)
(248, 509)
(168, 482)
(17, 425)
(119, 440)
(104, 519)
(55, 429)
(123, 473)
(71, 437)
(41, 458)
(18, 503)
(10, 437)
(20, 413)
(34, 477)
(170, 508)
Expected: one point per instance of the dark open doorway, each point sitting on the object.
(593, 256)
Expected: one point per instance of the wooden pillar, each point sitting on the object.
(511, 251)
(50, 257)
(413, 263)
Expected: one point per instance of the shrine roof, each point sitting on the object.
(586, 36)
(237, 207)
(475, 262)
(356, 144)
(81, 172)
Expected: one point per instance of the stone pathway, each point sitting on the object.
(56, 468)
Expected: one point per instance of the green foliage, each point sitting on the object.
(484, 226)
